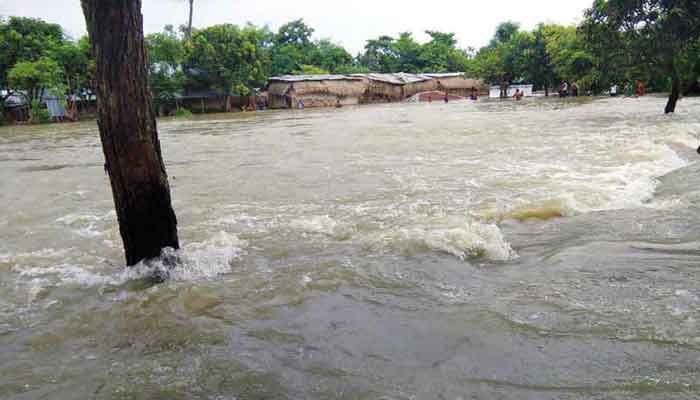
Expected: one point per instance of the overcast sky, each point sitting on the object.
(349, 24)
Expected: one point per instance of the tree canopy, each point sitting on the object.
(619, 41)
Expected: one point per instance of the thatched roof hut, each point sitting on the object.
(327, 90)
(457, 84)
(315, 90)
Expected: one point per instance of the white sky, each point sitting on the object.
(350, 24)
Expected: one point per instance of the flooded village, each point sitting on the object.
(332, 90)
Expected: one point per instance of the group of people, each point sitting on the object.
(566, 90)
(630, 91)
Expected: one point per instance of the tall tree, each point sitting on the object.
(228, 58)
(166, 53)
(663, 31)
(25, 40)
(189, 21)
(128, 131)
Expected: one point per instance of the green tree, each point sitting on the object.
(291, 47)
(568, 55)
(25, 40)
(228, 59)
(441, 54)
(662, 33)
(34, 77)
(311, 70)
(329, 56)
(381, 56)
(76, 62)
(166, 54)
(295, 33)
(504, 32)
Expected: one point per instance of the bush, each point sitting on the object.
(183, 113)
(39, 115)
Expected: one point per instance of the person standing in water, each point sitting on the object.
(574, 90)
(475, 95)
(518, 95)
(300, 104)
(613, 90)
(641, 90)
(447, 97)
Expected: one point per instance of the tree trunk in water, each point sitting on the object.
(675, 93)
(140, 188)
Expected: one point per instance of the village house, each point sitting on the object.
(331, 90)
(314, 90)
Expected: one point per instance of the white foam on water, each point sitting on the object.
(686, 138)
(629, 185)
(315, 224)
(209, 259)
(195, 261)
(86, 225)
(455, 236)
(324, 225)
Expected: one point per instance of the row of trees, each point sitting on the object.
(235, 59)
(37, 56)
(653, 41)
(618, 41)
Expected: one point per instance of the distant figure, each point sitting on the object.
(447, 97)
(628, 90)
(641, 90)
(564, 89)
(475, 95)
(430, 99)
(338, 104)
(518, 95)
(574, 90)
(55, 108)
(614, 91)
(300, 104)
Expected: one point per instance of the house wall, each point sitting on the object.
(381, 92)
(316, 93)
(365, 90)
(460, 86)
(411, 89)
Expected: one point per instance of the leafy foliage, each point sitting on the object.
(36, 76)
(227, 58)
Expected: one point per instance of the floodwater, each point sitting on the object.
(546, 249)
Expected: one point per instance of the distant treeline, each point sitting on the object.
(618, 41)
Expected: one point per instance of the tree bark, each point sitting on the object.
(189, 24)
(675, 92)
(127, 125)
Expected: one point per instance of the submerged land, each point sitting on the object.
(542, 249)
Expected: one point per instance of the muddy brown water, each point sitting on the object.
(538, 250)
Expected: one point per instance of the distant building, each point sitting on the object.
(314, 90)
(328, 90)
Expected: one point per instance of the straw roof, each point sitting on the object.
(446, 75)
(312, 78)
